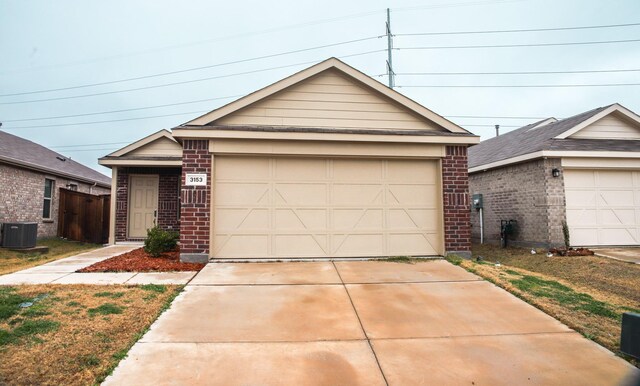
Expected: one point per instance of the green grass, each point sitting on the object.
(9, 302)
(563, 295)
(11, 261)
(154, 288)
(105, 309)
(400, 259)
(454, 259)
(28, 329)
(106, 294)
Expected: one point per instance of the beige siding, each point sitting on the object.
(161, 147)
(328, 100)
(610, 127)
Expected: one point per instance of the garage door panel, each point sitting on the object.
(580, 179)
(299, 169)
(326, 208)
(233, 219)
(291, 245)
(300, 194)
(425, 219)
(356, 245)
(356, 194)
(240, 245)
(240, 193)
(243, 169)
(356, 170)
(405, 243)
(412, 194)
(412, 170)
(301, 219)
(357, 219)
(603, 206)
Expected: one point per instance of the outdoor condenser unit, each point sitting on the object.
(19, 234)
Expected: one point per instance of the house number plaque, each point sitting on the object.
(196, 179)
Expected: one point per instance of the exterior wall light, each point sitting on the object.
(555, 172)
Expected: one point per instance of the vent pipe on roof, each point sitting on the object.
(497, 130)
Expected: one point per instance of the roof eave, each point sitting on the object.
(54, 172)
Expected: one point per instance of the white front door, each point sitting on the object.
(143, 204)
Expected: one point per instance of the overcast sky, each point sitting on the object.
(48, 45)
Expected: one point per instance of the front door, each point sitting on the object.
(143, 205)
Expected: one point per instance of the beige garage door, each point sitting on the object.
(314, 207)
(603, 206)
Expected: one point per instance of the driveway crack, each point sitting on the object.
(361, 325)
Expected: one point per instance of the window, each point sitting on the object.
(48, 198)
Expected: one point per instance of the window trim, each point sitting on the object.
(50, 198)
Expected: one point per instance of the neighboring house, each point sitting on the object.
(325, 163)
(30, 179)
(584, 170)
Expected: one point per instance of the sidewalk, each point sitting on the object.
(63, 271)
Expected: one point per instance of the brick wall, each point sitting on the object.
(22, 197)
(455, 186)
(168, 197)
(524, 192)
(195, 212)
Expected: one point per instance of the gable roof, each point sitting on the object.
(327, 65)
(22, 152)
(534, 138)
(159, 148)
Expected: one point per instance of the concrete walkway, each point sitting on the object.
(63, 271)
(358, 323)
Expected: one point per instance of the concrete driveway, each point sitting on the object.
(628, 254)
(358, 323)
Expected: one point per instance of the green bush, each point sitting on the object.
(159, 241)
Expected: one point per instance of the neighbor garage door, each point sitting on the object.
(270, 207)
(603, 206)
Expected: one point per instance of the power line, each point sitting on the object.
(105, 121)
(517, 72)
(451, 5)
(522, 85)
(121, 110)
(518, 45)
(89, 144)
(166, 84)
(192, 68)
(518, 30)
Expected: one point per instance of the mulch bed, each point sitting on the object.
(571, 252)
(140, 261)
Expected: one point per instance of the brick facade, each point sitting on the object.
(168, 198)
(527, 193)
(22, 197)
(455, 190)
(196, 200)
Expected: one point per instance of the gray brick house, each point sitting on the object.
(583, 170)
(31, 177)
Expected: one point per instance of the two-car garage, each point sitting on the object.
(326, 207)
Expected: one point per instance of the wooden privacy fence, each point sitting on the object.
(83, 217)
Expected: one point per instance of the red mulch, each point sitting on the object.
(140, 261)
(571, 252)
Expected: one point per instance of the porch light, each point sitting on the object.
(555, 172)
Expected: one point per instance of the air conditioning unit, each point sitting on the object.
(19, 234)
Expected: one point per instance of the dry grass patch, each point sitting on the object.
(58, 249)
(590, 312)
(73, 334)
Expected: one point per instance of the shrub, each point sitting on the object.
(159, 241)
(565, 233)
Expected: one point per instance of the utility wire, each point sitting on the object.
(518, 30)
(517, 72)
(518, 45)
(165, 84)
(89, 144)
(192, 68)
(105, 121)
(522, 85)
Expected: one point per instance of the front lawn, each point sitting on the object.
(587, 293)
(73, 334)
(58, 248)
